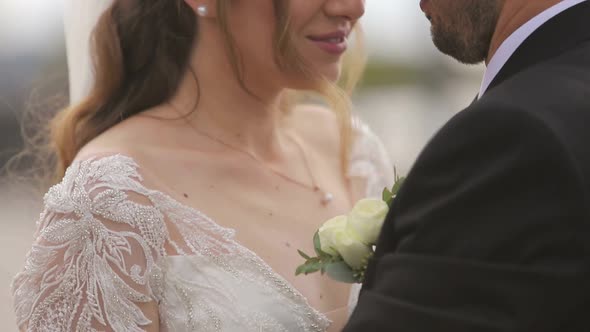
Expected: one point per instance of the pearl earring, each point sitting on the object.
(202, 10)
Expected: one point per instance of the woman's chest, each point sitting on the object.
(273, 218)
(274, 228)
(232, 293)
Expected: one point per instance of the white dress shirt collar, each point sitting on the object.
(511, 44)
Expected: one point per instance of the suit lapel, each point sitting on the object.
(563, 32)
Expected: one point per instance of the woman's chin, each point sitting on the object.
(331, 73)
(318, 83)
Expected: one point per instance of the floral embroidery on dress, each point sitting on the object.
(99, 258)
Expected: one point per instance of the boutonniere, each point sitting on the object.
(345, 244)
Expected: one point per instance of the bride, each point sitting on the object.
(191, 172)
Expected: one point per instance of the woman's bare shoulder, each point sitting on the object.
(134, 137)
(319, 125)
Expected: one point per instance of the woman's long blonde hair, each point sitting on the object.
(141, 50)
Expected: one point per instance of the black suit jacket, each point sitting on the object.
(491, 230)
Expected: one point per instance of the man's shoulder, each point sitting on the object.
(547, 105)
(548, 86)
(554, 95)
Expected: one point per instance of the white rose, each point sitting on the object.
(349, 246)
(326, 234)
(366, 219)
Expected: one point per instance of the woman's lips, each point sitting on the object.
(334, 43)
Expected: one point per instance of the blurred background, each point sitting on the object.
(410, 90)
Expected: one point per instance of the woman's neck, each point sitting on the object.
(249, 120)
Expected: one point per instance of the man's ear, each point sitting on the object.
(203, 8)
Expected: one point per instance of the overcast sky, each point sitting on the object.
(395, 29)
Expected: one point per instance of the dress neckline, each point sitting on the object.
(362, 164)
(225, 233)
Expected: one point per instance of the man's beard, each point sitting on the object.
(468, 33)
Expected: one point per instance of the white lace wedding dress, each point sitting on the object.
(103, 249)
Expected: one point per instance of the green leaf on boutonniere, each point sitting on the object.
(340, 271)
(300, 269)
(305, 268)
(387, 196)
(304, 255)
(317, 245)
(312, 265)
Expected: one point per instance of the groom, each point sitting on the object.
(491, 230)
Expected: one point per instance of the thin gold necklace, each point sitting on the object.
(326, 197)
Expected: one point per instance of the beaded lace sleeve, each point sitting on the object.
(97, 242)
(369, 160)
